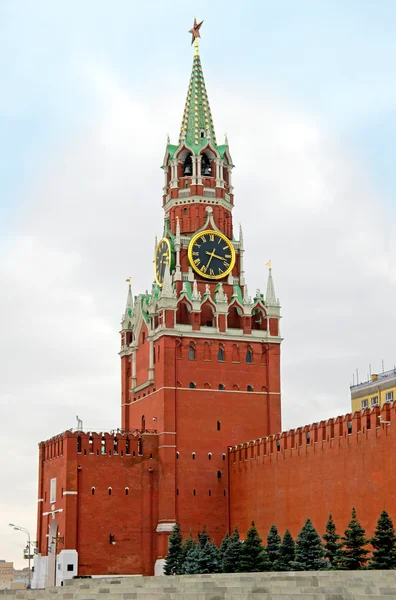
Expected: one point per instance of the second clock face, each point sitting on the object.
(162, 260)
(211, 254)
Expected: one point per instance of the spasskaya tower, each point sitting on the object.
(200, 357)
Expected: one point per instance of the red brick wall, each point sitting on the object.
(87, 519)
(330, 473)
(194, 414)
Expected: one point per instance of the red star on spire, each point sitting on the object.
(195, 30)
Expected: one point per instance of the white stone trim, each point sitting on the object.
(71, 493)
(213, 334)
(167, 446)
(198, 390)
(142, 386)
(50, 512)
(40, 500)
(165, 527)
(159, 567)
(197, 200)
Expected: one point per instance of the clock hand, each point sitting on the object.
(213, 255)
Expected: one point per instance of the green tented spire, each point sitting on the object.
(197, 124)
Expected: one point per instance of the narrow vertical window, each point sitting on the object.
(218, 425)
(191, 352)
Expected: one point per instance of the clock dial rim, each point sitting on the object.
(225, 239)
(167, 241)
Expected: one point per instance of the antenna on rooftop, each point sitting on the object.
(357, 376)
(79, 423)
(383, 367)
(353, 378)
(370, 371)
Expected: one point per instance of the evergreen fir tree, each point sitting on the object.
(253, 555)
(191, 564)
(187, 547)
(286, 553)
(223, 547)
(353, 555)
(232, 555)
(309, 550)
(203, 538)
(208, 559)
(332, 544)
(273, 548)
(174, 558)
(384, 544)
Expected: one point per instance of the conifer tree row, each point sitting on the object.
(307, 553)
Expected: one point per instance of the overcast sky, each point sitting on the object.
(306, 93)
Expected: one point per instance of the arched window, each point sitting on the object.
(235, 353)
(235, 386)
(193, 455)
(126, 491)
(209, 456)
(187, 167)
(221, 386)
(207, 385)
(192, 385)
(110, 490)
(178, 349)
(249, 388)
(206, 351)
(191, 352)
(93, 491)
(205, 166)
(221, 354)
(249, 356)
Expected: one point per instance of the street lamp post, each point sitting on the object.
(17, 528)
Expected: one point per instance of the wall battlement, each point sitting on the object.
(136, 442)
(312, 471)
(326, 433)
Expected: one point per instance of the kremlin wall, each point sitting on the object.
(312, 471)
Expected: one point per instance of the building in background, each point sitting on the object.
(12, 579)
(6, 574)
(375, 392)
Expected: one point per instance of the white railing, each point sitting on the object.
(184, 193)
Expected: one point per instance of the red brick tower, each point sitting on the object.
(200, 358)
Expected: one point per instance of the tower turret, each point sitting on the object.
(197, 169)
(204, 360)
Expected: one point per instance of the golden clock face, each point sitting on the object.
(162, 260)
(211, 254)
